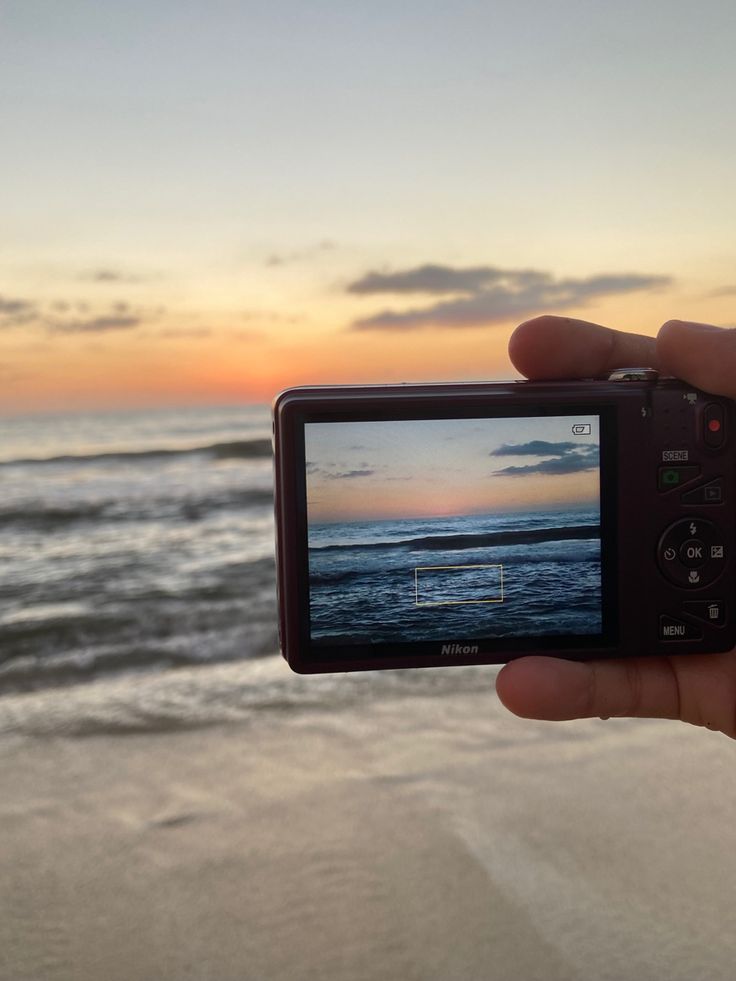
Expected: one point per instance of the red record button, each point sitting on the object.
(713, 432)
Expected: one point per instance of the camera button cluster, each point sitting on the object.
(692, 553)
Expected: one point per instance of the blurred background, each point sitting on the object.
(201, 205)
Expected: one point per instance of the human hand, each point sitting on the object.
(695, 688)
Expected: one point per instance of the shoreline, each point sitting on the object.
(356, 830)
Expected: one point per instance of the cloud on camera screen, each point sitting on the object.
(428, 529)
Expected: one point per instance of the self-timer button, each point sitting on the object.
(713, 426)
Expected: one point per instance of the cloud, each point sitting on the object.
(561, 458)
(14, 312)
(721, 291)
(483, 295)
(536, 447)
(183, 332)
(107, 275)
(95, 325)
(350, 474)
(246, 334)
(428, 279)
(286, 258)
(271, 316)
(328, 474)
(80, 318)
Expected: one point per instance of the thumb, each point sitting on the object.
(701, 355)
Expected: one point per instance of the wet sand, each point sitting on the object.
(428, 836)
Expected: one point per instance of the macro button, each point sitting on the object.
(712, 611)
(669, 478)
(710, 493)
(673, 629)
(713, 426)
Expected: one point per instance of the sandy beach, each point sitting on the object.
(409, 829)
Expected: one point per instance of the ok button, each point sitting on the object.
(692, 553)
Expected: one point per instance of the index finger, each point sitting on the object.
(561, 347)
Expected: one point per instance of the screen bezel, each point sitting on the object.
(325, 656)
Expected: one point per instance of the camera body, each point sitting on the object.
(425, 525)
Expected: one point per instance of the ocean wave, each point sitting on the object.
(70, 630)
(529, 536)
(47, 516)
(216, 694)
(243, 449)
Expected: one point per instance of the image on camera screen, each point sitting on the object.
(427, 529)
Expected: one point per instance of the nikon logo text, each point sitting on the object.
(459, 648)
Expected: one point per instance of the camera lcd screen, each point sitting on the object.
(420, 530)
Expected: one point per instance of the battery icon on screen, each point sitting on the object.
(581, 429)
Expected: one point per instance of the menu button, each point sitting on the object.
(673, 629)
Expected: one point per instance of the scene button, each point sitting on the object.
(668, 478)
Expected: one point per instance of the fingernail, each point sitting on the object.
(693, 326)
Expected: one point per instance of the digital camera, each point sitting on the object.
(424, 525)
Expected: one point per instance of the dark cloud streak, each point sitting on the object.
(107, 275)
(350, 474)
(486, 295)
(536, 447)
(563, 458)
(94, 325)
(14, 312)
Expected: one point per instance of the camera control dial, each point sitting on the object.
(692, 553)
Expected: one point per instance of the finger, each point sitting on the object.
(700, 689)
(550, 688)
(559, 347)
(702, 355)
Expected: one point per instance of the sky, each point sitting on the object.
(209, 202)
(358, 471)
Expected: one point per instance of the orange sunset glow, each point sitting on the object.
(161, 364)
(217, 234)
(359, 471)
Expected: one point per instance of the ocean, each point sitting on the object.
(137, 576)
(472, 576)
(134, 541)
